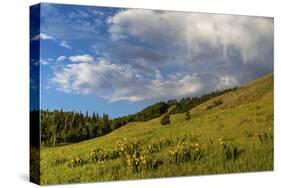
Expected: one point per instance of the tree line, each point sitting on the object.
(59, 127)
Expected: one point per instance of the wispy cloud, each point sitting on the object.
(61, 58)
(43, 36)
(81, 58)
(67, 25)
(65, 45)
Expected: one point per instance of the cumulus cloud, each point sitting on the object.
(158, 55)
(198, 36)
(43, 36)
(81, 58)
(65, 45)
(116, 82)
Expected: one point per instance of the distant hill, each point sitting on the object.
(256, 90)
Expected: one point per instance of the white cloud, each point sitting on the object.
(196, 35)
(81, 58)
(223, 50)
(116, 82)
(61, 58)
(43, 36)
(65, 45)
(85, 78)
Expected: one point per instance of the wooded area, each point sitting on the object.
(59, 127)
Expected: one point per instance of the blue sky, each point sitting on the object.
(118, 61)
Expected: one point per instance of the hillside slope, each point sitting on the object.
(243, 120)
(252, 92)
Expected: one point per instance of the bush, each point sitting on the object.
(187, 115)
(165, 119)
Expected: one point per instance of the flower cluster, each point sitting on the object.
(221, 140)
(136, 161)
(140, 162)
(184, 152)
(75, 162)
(100, 155)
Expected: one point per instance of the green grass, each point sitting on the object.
(243, 121)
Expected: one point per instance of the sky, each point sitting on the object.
(118, 61)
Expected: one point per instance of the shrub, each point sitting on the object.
(187, 115)
(165, 119)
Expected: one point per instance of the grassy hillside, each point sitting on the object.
(232, 135)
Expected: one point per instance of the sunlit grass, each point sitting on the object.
(235, 136)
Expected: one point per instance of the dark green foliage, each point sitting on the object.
(70, 127)
(186, 104)
(231, 152)
(165, 119)
(150, 112)
(187, 115)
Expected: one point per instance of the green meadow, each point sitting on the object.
(230, 136)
